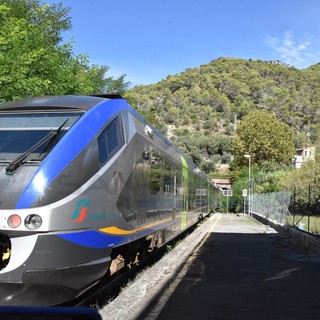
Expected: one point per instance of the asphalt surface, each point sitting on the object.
(234, 267)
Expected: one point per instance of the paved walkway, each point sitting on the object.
(231, 267)
(243, 270)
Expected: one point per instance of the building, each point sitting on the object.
(303, 155)
(222, 184)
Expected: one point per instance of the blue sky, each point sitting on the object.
(150, 39)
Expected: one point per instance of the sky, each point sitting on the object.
(150, 39)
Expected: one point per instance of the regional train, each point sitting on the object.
(87, 187)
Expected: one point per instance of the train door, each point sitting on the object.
(185, 193)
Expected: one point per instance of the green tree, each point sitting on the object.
(305, 183)
(264, 138)
(33, 61)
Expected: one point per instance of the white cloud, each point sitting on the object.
(293, 50)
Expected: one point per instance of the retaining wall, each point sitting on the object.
(300, 238)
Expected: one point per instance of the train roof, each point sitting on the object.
(57, 102)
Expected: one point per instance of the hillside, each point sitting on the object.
(199, 109)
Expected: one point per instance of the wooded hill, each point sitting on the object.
(199, 109)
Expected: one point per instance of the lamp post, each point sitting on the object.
(249, 203)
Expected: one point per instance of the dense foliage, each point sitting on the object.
(264, 138)
(304, 185)
(33, 59)
(265, 177)
(204, 105)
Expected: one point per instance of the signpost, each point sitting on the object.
(244, 194)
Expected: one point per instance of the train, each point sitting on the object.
(87, 188)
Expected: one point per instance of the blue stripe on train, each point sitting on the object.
(73, 142)
(94, 239)
(97, 239)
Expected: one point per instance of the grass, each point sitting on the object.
(313, 227)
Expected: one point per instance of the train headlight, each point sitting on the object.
(14, 221)
(33, 222)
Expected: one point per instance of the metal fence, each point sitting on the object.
(273, 206)
(284, 208)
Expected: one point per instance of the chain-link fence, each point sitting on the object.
(286, 208)
(273, 206)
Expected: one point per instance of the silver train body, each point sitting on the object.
(87, 187)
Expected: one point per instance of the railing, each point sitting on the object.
(284, 208)
(272, 206)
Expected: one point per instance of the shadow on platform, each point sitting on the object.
(246, 276)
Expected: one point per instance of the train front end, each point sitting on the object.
(47, 154)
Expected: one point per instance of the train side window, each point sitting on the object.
(110, 140)
(155, 174)
(168, 174)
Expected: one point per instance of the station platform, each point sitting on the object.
(239, 269)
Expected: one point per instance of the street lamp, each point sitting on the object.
(249, 203)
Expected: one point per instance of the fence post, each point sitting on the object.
(309, 209)
(294, 206)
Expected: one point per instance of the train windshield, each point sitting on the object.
(32, 133)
